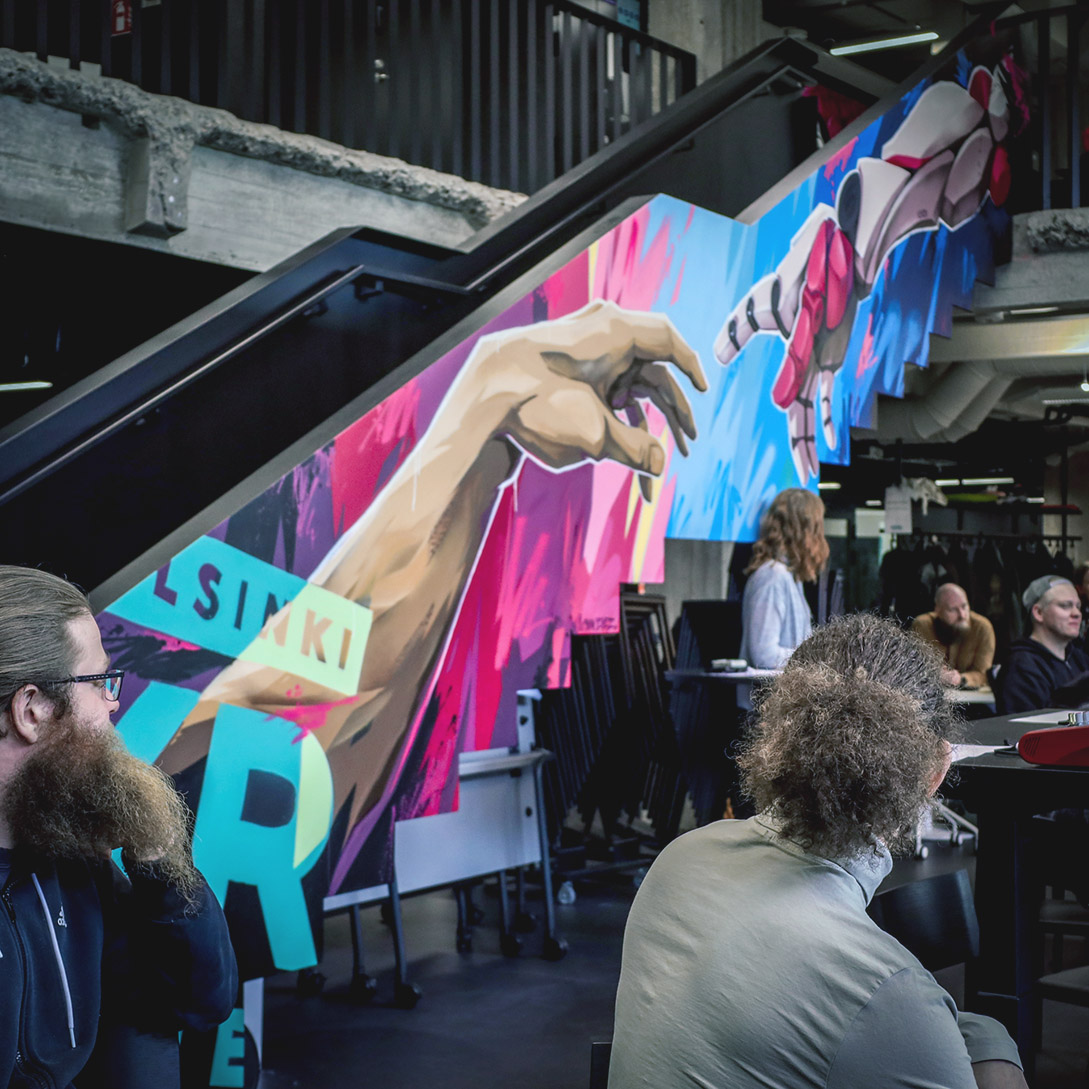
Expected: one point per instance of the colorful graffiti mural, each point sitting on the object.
(310, 670)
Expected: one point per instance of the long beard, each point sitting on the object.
(81, 794)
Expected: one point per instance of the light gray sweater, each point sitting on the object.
(774, 616)
(751, 964)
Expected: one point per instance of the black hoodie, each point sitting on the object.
(79, 942)
(1034, 678)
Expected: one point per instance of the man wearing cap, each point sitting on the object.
(963, 638)
(1045, 663)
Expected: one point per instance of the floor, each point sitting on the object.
(489, 1020)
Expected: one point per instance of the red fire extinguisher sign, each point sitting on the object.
(121, 17)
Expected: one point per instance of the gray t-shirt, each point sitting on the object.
(751, 964)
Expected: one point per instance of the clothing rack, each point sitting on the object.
(983, 535)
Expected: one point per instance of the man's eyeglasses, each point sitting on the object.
(109, 682)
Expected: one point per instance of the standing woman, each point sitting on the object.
(791, 550)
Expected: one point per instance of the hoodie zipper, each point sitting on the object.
(20, 1060)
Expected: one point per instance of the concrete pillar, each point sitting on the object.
(717, 31)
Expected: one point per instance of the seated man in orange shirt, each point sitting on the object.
(965, 638)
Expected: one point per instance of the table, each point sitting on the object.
(1006, 791)
(982, 695)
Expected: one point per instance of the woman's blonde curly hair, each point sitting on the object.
(793, 528)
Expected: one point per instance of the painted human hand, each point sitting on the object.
(810, 301)
(572, 387)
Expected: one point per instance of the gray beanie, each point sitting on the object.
(1038, 587)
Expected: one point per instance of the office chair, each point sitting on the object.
(1071, 986)
(600, 1051)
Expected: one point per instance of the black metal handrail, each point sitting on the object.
(512, 93)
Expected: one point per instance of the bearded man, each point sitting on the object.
(964, 638)
(99, 969)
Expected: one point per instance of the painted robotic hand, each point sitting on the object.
(938, 167)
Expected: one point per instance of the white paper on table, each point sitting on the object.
(963, 752)
(1052, 718)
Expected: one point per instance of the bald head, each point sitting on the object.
(951, 606)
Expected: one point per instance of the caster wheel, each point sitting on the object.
(309, 983)
(363, 989)
(510, 945)
(406, 995)
(464, 944)
(554, 949)
(566, 894)
(525, 922)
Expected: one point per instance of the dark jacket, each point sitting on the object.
(1034, 678)
(83, 946)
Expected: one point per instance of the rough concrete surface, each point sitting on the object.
(161, 133)
(1058, 229)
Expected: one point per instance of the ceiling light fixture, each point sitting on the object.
(875, 502)
(1022, 311)
(988, 480)
(829, 485)
(883, 43)
(947, 483)
(11, 387)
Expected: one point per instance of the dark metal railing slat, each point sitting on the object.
(369, 78)
(41, 37)
(514, 113)
(136, 39)
(532, 99)
(74, 44)
(393, 83)
(1073, 103)
(438, 47)
(1043, 50)
(298, 75)
(548, 165)
(254, 88)
(585, 30)
(166, 47)
(193, 38)
(601, 90)
(415, 87)
(456, 77)
(566, 93)
(7, 23)
(493, 105)
(323, 74)
(273, 104)
(617, 84)
(345, 113)
(476, 153)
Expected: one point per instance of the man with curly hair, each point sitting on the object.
(749, 959)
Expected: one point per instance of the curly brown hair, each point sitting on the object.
(846, 743)
(793, 527)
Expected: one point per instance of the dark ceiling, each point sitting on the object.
(838, 22)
